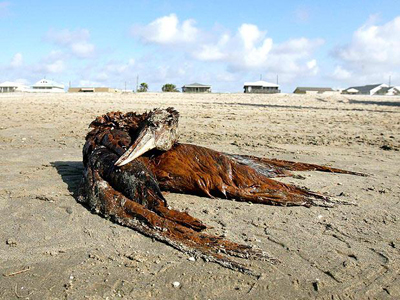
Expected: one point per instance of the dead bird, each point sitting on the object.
(130, 158)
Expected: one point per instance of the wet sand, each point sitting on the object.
(52, 247)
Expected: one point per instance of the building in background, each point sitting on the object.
(371, 89)
(389, 91)
(261, 87)
(314, 90)
(91, 90)
(47, 86)
(10, 87)
(350, 91)
(196, 88)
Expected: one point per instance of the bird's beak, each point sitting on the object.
(144, 142)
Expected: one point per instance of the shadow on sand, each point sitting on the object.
(71, 174)
(300, 107)
(370, 102)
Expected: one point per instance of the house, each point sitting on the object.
(91, 90)
(350, 91)
(261, 87)
(47, 86)
(9, 87)
(196, 88)
(371, 89)
(389, 91)
(313, 90)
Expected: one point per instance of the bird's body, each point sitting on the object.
(130, 158)
(201, 171)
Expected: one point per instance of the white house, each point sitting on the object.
(261, 87)
(47, 86)
(351, 91)
(392, 91)
(9, 87)
(371, 89)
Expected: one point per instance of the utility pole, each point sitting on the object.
(390, 80)
(277, 79)
(125, 86)
(137, 83)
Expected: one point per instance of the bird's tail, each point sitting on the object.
(280, 168)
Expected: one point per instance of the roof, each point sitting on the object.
(9, 84)
(387, 89)
(196, 85)
(261, 83)
(314, 89)
(47, 83)
(365, 88)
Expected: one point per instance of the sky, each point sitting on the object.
(221, 43)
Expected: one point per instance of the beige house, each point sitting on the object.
(313, 90)
(91, 90)
(261, 87)
(196, 88)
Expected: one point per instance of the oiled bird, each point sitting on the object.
(192, 169)
(130, 158)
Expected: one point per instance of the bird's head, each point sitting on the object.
(157, 131)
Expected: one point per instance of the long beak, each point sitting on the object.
(144, 142)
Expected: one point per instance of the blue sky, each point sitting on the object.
(222, 43)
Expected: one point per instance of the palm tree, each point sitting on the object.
(169, 87)
(143, 87)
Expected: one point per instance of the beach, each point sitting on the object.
(53, 247)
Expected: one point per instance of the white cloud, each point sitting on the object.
(77, 42)
(82, 49)
(53, 63)
(20, 71)
(341, 74)
(102, 77)
(118, 67)
(212, 52)
(256, 47)
(23, 81)
(299, 47)
(112, 73)
(372, 56)
(250, 34)
(313, 67)
(373, 45)
(251, 50)
(312, 64)
(55, 67)
(167, 30)
(17, 60)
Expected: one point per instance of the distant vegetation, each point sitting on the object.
(169, 87)
(143, 87)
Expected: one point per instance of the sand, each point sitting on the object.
(52, 247)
